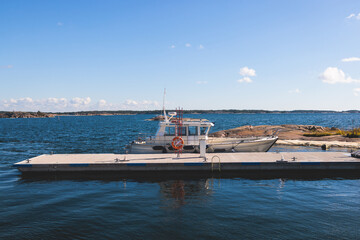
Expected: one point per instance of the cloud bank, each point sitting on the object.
(74, 104)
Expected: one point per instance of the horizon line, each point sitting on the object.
(189, 110)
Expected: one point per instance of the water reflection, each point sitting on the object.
(281, 183)
(177, 192)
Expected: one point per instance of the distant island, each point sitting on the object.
(38, 114)
(16, 114)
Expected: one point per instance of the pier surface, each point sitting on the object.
(234, 162)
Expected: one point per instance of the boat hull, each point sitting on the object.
(259, 145)
(214, 145)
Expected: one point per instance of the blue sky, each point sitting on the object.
(86, 55)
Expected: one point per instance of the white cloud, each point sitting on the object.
(140, 105)
(350, 16)
(128, 104)
(131, 102)
(60, 24)
(245, 71)
(357, 91)
(353, 15)
(188, 45)
(333, 75)
(78, 102)
(295, 91)
(245, 80)
(7, 66)
(172, 46)
(102, 103)
(201, 82)
(351, 59)
(74, 104)
(201, 47)
(49, 104)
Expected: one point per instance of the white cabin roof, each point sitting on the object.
(190, 122)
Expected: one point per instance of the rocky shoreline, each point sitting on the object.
(26, 115)
(51, 115)
(296, 135)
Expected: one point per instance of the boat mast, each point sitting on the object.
(165, 116)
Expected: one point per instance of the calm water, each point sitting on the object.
(108, 207)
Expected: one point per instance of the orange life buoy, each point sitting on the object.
(177, 143)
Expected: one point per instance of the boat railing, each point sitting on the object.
(236, 140)
(144, 137)
(149, 138)
(244, 137)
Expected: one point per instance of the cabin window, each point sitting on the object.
(203, 130)
(193, 130)
(169, 131)
(183, 131)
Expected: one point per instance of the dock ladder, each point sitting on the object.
(212, 163)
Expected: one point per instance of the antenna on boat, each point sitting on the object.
(165, 116)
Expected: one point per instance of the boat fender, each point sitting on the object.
(164, 150)
(196, 149)
(157, 147)
(210, 149)
(356, 154)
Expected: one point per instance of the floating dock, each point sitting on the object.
(214, 162)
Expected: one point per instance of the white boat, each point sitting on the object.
(192, 131)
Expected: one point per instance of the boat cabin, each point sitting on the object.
(191, 131)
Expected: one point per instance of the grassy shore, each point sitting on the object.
(353, 133)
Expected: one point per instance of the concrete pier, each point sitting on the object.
(215, 162)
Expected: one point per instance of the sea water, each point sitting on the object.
(108, 207)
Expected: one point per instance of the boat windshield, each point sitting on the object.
(203, 130)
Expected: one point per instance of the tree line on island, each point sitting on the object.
(38, 114)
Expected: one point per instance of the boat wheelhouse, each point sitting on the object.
(192, 131)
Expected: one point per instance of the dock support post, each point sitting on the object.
(203, 148)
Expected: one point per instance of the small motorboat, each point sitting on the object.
(191, 132)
